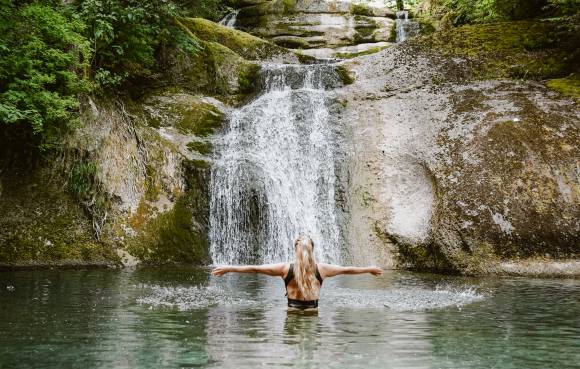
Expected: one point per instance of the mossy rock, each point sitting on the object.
(344, 75)
(369, 51)
(248, 77)
(293, 42)
(214, 70)
(171, 237)
(181, 233)
(244, 44)
(516, 195)
(523, 49)
(188, 113)
(203, 148)
(41, 224)
(361, 9)
(569, 86)
(268, 8)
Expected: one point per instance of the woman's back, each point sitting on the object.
(292, 289)
(302, 278)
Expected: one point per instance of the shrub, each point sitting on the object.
(44, 62)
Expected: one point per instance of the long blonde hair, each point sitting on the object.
(305, 268)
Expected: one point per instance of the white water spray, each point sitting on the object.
(230, 19)
(274, 176)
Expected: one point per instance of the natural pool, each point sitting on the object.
(174, 317)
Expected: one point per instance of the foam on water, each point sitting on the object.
(398, 299)
(408, 299)
(189, 298)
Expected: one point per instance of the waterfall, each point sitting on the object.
(230, 19)
(274, 175)
(405, 27)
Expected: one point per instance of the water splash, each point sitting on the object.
(274, 176)
(189, 298)
(397, 299)
(408, 299)
(230, 19)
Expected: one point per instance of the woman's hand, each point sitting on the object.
(221, 270)
(375, 271)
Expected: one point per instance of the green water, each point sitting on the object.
(180, 317)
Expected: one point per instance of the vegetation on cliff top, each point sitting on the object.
(528, 49)
(458, 12)
(52, 51)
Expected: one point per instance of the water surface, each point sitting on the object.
(176, 317)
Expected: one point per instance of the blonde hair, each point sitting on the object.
(305, 268)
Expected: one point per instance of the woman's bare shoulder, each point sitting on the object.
(327, 270)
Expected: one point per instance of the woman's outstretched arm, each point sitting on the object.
(274, 270)
(329, 270)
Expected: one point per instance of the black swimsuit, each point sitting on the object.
(300, 304)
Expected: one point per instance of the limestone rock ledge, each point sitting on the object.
(319, 28)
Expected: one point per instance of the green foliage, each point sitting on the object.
(480, 11)
(208, 9)
(564, 7)
(43, 62)
(126, 34)
(52, 51)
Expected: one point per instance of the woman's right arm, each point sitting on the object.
(329, 270)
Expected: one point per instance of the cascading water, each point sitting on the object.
(230, 19)
(274, 176)
(405, 27)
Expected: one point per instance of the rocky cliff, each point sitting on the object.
(131, 183)
(460, 148)
(455, 171)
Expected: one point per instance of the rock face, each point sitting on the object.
(454, 174)
(133, 180)
(319, 28)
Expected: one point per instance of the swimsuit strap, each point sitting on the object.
(290, 275)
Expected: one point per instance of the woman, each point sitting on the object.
(303, 278)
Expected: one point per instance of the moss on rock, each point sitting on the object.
(508, 191)
(569, 86)
(41, 224)
(523, 49)
(181, 233)
(344, 75)
(203, 148)
(361, 9)
(369, 51)
(248, 76)
(170, 237)
(190, 114)
(244, 44)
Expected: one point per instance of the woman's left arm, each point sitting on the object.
(274, 270)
